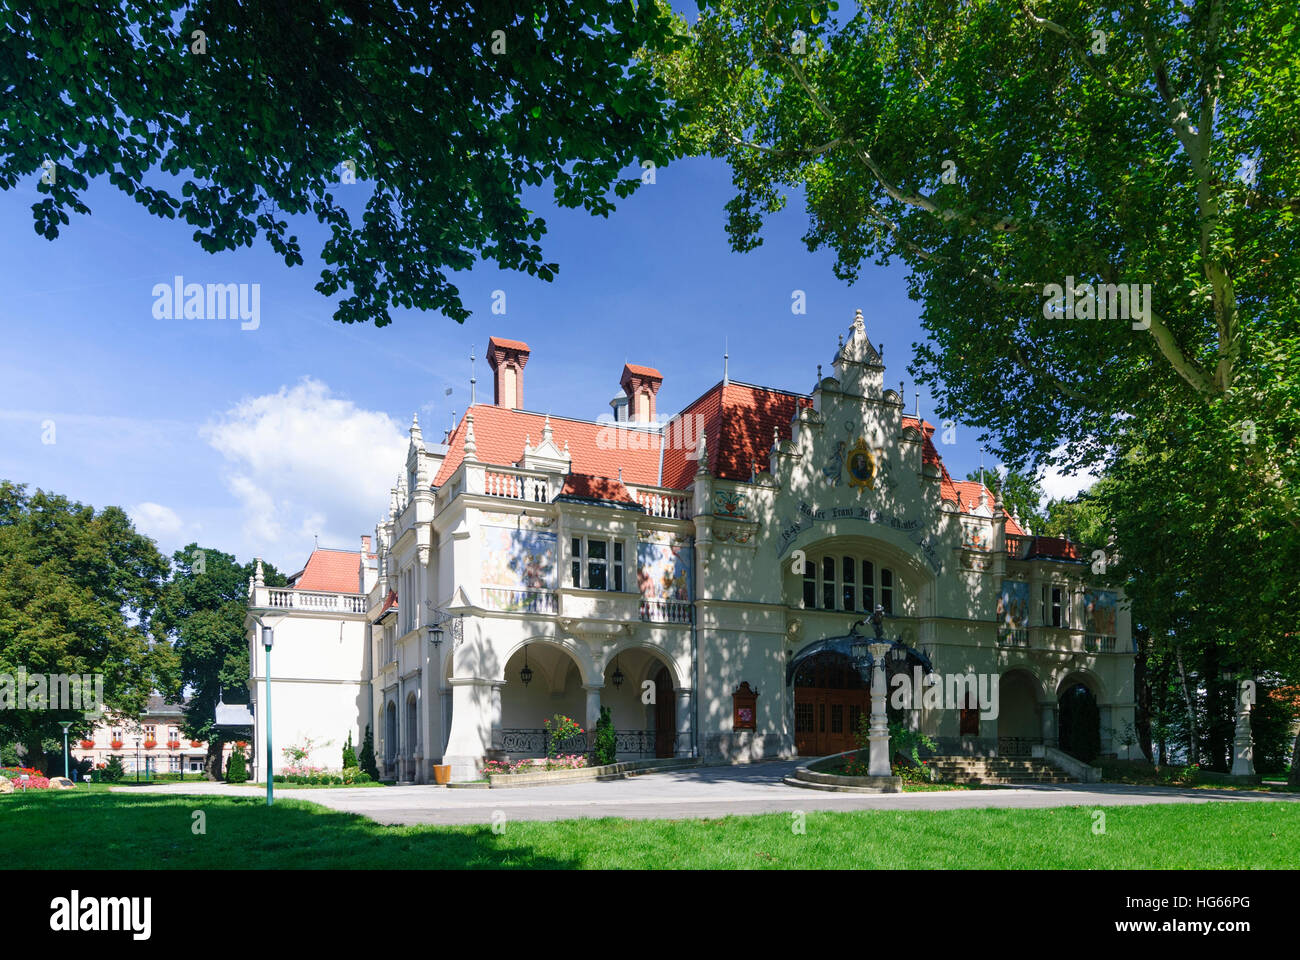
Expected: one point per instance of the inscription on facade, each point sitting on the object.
(811, 515)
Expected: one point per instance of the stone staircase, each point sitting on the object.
(995, 770)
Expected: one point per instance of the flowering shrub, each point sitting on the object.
(35, 780)
(506, 766)
(565, 761)
(296, 753)
(320, 776)
(560, 728)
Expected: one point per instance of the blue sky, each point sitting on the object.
(255, 441)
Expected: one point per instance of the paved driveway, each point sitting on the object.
(702, 792)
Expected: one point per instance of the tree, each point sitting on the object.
(1008, 152)
(1021, 494)
(367, 758)
(202, 613)
(78, 589)
(1001, 148)
(349, 754)
(237, 768)
(606, 745)
(237, 117)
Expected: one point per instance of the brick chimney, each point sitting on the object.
(641, 384)
(507, 359)
(365, 545)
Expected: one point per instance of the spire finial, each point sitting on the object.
(471, 445)
(415, 427)
(546, 430)
(726, 362)
(472, 379)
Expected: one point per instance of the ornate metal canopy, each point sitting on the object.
(855, 646)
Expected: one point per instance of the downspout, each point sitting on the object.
(695, 657)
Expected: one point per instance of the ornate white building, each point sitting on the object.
(532, 565)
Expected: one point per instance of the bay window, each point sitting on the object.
(596, 563)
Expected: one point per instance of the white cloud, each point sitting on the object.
(155, 520)
(1062, 486)
(303, 462)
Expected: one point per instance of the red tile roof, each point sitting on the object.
(390, 601)
(597, 449)
(739, 420)
(1055, 547)
(505, 344)
(582, 486)
(331, 571)
(639, 371)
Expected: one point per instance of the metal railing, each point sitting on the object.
(523, 742)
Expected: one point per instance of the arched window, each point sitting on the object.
(847, 583)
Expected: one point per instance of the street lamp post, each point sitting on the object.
(65, 724)
(137, 759)
(267, 639)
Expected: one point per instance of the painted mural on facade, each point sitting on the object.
(1099, 612)
(519, 561)
(663, 571)
(1013, 605)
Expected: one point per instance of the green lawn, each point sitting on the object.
(92, 829)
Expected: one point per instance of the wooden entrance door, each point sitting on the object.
(826, 721)
(665, 714)
(829, 700)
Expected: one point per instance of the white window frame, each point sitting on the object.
(614, 562)
(814, 574)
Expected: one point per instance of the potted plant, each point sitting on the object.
(173, 744)
(87, 744)
(116, 744)
(150, 744)
(196, 743)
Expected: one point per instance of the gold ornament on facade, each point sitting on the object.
(861, 466)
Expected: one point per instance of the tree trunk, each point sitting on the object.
(1142, 687)
(1294, 778)
(34, 744)
(1193, 737)
(212, 762)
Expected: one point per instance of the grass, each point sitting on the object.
(126, 831)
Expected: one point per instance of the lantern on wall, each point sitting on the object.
(617, 677)
(526, 674)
